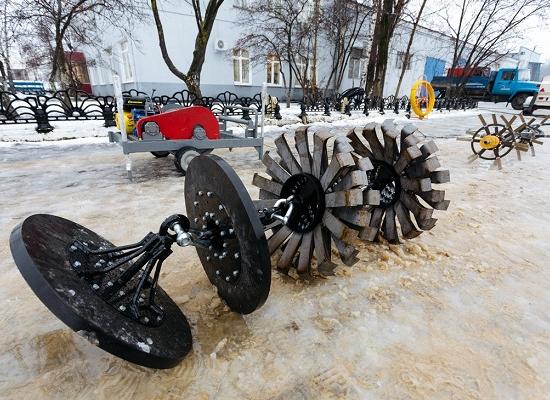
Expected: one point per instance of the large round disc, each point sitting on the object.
(237, 261)
(40, 248)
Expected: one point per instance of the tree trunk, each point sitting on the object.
(316, 13)
(371, 65)
(11, 86)
(386, 22)
(290, 75)
(409, 45)
(3, 86)
(192, 78)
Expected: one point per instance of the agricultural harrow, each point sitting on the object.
(497, 137)
(327, 189)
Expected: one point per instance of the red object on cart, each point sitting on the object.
(185, 123)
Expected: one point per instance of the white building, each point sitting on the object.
(525, 59)
(140, 64)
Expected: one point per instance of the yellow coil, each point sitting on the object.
(415, 106)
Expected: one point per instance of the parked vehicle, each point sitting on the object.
(539, 101)
(507, 84)
(29, 87)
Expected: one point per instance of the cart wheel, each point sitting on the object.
(160, 154)
(184, 157)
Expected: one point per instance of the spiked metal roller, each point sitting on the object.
(404, 170)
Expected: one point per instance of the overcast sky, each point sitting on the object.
(535, 34)
(539, 37)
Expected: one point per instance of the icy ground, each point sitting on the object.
(460, 312)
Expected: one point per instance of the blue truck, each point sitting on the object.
(511, 85)
(29, 87)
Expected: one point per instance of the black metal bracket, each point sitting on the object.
(127, 276)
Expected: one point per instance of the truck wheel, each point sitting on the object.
(518, 100)
(160, 154)
(184, 157)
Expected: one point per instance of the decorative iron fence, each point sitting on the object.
(64, 105)
(345, 105)
(75, 105)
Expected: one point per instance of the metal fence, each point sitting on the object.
(346, 105)
(75, 105)
(64, 105)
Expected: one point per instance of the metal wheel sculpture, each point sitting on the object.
(111, 294)
(404, 171)
(529, 133)
(327, 193)
(495, 140)
(97, 290)
(335, 190)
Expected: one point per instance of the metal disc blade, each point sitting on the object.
(239, 263)
(40, 247)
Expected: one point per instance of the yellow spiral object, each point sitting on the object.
(415, 102)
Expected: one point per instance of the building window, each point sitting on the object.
(273, 71)
(127, 73)
(241, 3)
(355, 65)
(401, 63)
(241, 66)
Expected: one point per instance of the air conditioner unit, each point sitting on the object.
(220, 45)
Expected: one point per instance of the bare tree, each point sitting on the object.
(56, 26)
(204, 22)
(483, 31)
(343, 26)
(283, 30)
(407, 55)
(8, 34)
(388, 13)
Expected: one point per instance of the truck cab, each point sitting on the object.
(513, 84)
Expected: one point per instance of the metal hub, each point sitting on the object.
(383, 178)
(489, 142)
(308, 202)
(220, 243)
(486, 149)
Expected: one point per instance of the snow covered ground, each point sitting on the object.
(460, 312)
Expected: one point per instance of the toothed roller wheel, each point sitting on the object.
(41, 247)
(329, 192)
(492, 141)
(403, 170)
(236, 257)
